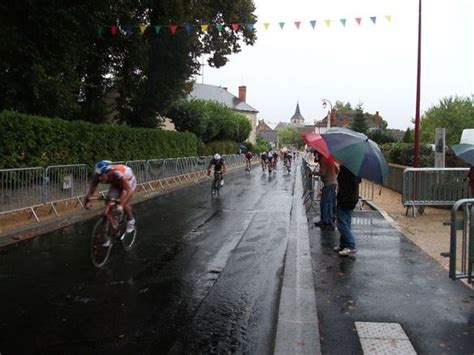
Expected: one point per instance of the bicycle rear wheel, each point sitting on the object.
(101, 242)
(128, 239)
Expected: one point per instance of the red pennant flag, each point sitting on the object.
(173, 28)
(235, 26)
(297, 24)
(113, 29)
(358, 20)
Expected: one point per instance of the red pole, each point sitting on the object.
(416, 149)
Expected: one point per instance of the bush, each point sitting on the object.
(29, 141)
(402, 154)
(221, 147)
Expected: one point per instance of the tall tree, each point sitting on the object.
(454, 114)
(359, 122)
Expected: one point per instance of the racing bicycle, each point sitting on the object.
(216, 184)
(110, 229)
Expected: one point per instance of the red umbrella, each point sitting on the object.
(317, 142)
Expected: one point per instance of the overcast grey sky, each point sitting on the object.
(367, 63)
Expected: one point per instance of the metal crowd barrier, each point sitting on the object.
(64, 182)
(311, 186)
(461, 255)
(29, 188)
(433, 187)
(21, 189)
(394, 179)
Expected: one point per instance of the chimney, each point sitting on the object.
(242, 93)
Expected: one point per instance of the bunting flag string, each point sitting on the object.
(233, 26)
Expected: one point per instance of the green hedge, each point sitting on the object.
(402, 154)
(28, 141)
(221, 147)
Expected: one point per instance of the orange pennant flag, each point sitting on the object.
(204, 28)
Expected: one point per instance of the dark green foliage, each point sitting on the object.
(29, 141)
(381, 136)
(210, 120)
(408, 137)
(54, 63)
(221, 147)
(359, 123)
(291, 137)
(262, 145)
(402, 154)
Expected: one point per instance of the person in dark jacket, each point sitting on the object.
(347, 198)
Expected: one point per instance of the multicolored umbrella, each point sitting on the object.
(465, 152)
(361, 155)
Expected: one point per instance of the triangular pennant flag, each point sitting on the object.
(389, 18)
(282, 24)
(173, 28)
(113, 29)
(313, 23)
(142, 28)
(219, 27)
(374, 19)
(266, 25)
(100, 30)
(250, 26)
(204, 28)
(343, 21)
(235, 27)
(328, 22)
(128, 29)
(188, 28)
(297, 24)
(157, 29)
(358, 20)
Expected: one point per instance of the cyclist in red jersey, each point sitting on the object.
(122, 186)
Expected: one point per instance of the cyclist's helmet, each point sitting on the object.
(102, 167)
(217, 156)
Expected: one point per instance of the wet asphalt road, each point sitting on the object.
(203, 278)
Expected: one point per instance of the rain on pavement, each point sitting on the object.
(203, 278)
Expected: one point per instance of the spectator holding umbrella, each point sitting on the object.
(347, 197)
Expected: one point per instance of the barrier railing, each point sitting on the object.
(433, 187)
(64, 182)
(461, 251)
(29, 188)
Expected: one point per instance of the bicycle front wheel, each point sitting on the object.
(101, 242)
(128, 239)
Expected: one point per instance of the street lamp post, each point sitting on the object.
(325, 103)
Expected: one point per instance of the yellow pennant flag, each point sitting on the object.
(142, 28)
(266, 25)
(204, 28)
(389, 18)
(328, 23)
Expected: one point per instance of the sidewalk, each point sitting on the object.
(389, 280)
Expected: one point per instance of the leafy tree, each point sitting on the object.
(454, 114)
(359, 122)
(340, 106)
(56, 64)
(262, 144)
(408, 136)
(210, 120)
(381, 136)
(290, 136)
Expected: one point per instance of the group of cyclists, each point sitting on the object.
(123, 182)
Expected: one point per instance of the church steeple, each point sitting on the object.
(297, 118)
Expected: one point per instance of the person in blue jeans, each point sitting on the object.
(347, 197)
(328, 172)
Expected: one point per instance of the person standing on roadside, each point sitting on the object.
(328, 172)
(347, 198)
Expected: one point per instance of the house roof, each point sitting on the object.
(263, 127)
(219, 94)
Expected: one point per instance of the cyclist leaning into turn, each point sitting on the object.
(122, 186)
(219, 166)
(248, 158)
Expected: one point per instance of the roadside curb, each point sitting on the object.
(298, 325)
